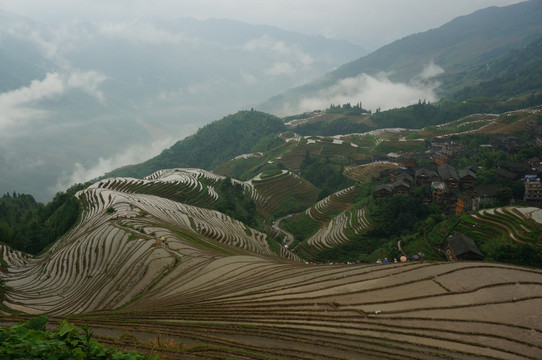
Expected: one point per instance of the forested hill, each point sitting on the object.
(461, 44)
(221, 140)
(464, 41)
(515, 73)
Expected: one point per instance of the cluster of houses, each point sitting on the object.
(455, 190)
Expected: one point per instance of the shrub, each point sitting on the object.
(31, 340)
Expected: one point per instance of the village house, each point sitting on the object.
(461, 247)
(487, 194)
(467, 178)
(401, 188)
(404, 177)
(533, 190)
(438, 191)
(425, 176)
(384, 190)
(452, 149)
(449, 176)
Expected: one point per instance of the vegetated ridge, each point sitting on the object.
(464, 43)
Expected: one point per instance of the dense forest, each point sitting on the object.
(30, 226)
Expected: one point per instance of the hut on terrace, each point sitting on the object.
(463, 248)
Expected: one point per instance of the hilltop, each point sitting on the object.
(437, 58)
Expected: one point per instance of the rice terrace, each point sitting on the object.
(409, 229)
(206, 286)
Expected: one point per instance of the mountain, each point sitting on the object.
(421, 59)
(154, 256)
(80, 99)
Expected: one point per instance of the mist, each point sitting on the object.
(375, 92)
(79, 99)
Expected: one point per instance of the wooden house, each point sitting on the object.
(385, 190)
(462, 247)
(449, 176)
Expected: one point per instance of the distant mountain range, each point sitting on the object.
(437, 55)
(118, 93)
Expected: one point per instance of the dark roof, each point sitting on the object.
(517, 167)
(467, 172)
(404, 177)
(447, 172)
(401, 183)
(426, 172)
(488, 190)
(506, 174)
(464, 247)
(385, 187)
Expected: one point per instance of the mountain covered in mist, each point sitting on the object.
(79, 99)
(425, 65)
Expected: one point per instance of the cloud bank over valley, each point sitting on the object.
(80, 99)
(375, 92)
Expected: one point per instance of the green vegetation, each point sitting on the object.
(234, 201)
(517, 72)
(342, 125)
(219, 141)
(31, 340)
(324, 174)
(347, 109)
(30, 226)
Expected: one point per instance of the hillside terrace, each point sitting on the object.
(456, 190)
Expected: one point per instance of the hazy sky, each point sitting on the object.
(369, 23)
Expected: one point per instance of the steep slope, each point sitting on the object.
(214, 143)
(151, 267)
(463, 43)
(123, 244)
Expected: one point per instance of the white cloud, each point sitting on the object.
(248, 77)
(430, 71)
(87, 81)
(132, 155)
(280, 68)
(278, 49)
(18, 105)
(143, 32)
(373, 91)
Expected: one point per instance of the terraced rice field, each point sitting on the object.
(337, 219)
(504, 225)
(367, 172)
(252, 308)
(159, 269)
(286, 192)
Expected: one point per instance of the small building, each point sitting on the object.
(505, 174)
(518, 168)
(425, 176)
(533, 190)
(401, 188)
(487, 193)
(404, 177)
(462, 247)
(384, 190)
(392, 157)
(467, 178)
(438, 191)
(449, 176)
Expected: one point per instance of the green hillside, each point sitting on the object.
(464, 43)
(243, 132)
